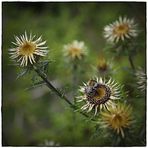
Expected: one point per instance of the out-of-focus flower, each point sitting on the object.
(117, 118)
(75, 50)
(103, 66)
(49, 143)
(141, 79)
(28, 49)
(121, 29)
(99, 94)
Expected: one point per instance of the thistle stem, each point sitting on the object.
(57, 92)
(74, 80)
(131, 62)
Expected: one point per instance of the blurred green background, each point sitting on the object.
(36, 117)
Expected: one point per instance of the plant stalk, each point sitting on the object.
(74, 80)
(131, 62)
(57, 92)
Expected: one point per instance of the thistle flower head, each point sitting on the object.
(117, 118)
(75, 50)
(103, 65)
(121, 29)
(141, 79)
(99, 94)
(27, 49)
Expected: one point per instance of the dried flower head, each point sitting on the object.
(75, 50)
(28, 49)
(117, 118)
(121, 29)
(99, 94)
(141, 79)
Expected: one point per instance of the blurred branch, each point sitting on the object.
(74, 79)
(131, 62)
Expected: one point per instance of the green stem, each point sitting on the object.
(57, 92)
(74, 80)
(74, 84)
(131, 62)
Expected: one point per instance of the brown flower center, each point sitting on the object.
(121, 29)
(27, 49)
(117, 120)
(75, 52)
(98, 93)
(102, 66)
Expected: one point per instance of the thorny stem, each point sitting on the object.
(57, 92)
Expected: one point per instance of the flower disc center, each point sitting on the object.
(74, 52)
(98, 94)
(121, 29)
(27, 49)
(117, 120)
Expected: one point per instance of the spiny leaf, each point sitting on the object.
(22, 73)
(38, 84)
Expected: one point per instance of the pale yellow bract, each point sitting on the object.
(117, 118)
(141, 79)
(28, 49)
(75, 50)
(120, 30)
